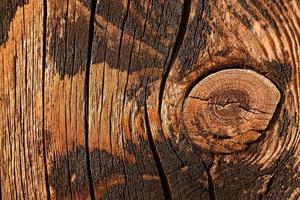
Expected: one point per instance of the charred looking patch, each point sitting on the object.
(140, 89)
(261, 11)
(8, 9)
(280, 73)
(185, 166)
(241, 181)
(68, 50)
(195, 38)
(154, 24)
(186, 172)
(282, 184)
(236, 177)
(284, 123)
(242, 18)
(69, 43)
(68, 173)
(138, 19)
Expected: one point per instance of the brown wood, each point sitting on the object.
(227, 108)
(149, 99)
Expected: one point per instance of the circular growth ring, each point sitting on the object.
(226, 109)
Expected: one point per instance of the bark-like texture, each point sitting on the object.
(149, 99)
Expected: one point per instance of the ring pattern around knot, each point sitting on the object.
(227, 109)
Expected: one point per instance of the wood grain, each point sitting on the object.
(149, 99)
(225, 110)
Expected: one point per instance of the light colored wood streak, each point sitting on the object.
(22, 166)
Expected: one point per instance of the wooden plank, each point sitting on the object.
(149, 99)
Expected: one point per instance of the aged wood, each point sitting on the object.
(149, 99)
(226, 109)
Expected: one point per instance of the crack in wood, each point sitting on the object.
(93, 5)
(175, 50)
(44, 55)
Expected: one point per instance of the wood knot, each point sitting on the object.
(227, 109)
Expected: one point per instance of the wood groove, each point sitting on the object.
(162, 175)
(86, 95)
(174, 51)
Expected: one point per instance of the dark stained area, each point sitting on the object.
(68, 50)
(186, 170)
(183, 163)
(280, 72)
(160, 23)
(105, 166)
(284, 123)
(75, 164)
(242, 18)
(195, 38)
(154, 30)
(8, 9)
(282, 184)
(185, 166)
(241, 181)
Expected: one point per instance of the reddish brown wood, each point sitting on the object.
(135, 99)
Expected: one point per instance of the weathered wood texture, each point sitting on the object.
(149, 99)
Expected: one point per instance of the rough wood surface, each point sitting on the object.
(149, 99)
(225, 110)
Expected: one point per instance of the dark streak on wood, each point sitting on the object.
(242, 18)
(140, 61)
(76, 159)
(284, 123)
(195, 39)
(175, 49)
(281, 72)
(266, 15)
(68, 60)
(241, 176)
(136, 186)
(282, 184)
(185, 166)
(139, 90)
(8, 9)
(248, 9)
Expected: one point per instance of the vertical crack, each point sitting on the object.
(86, 95)
(178, 42)
(161, 173)
(43, 95)
(210, 182)
(211, 187)
(169, 63)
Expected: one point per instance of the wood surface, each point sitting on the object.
(149, 99)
